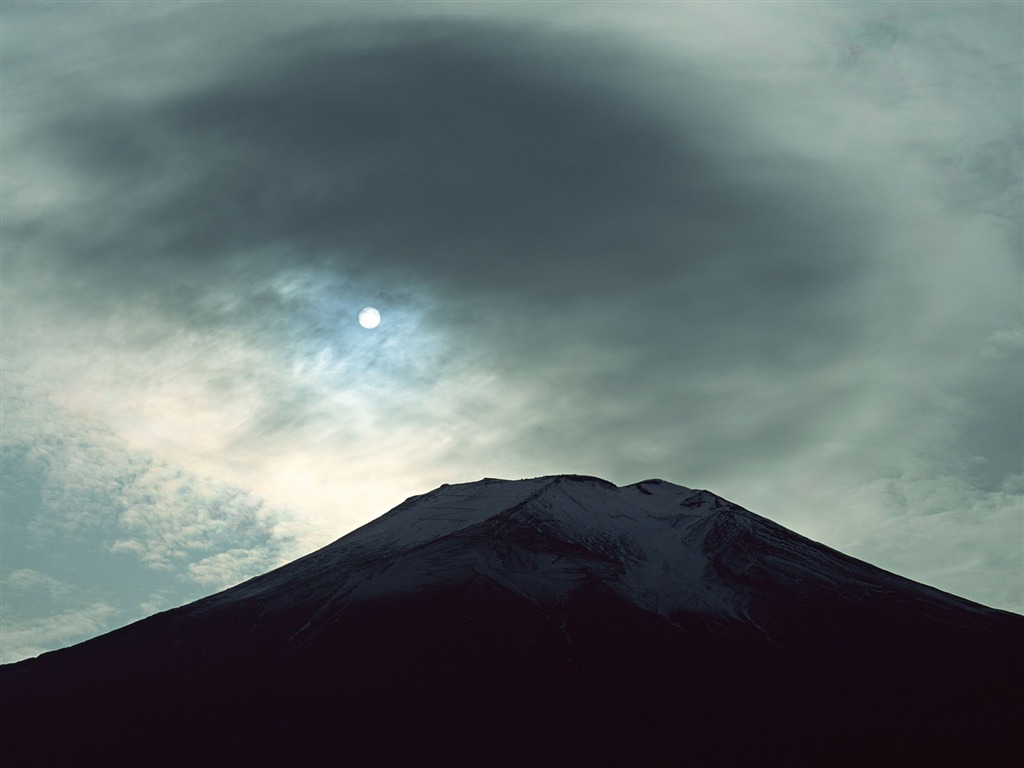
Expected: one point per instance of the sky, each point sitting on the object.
(769, 249)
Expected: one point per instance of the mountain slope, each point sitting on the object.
(553, 621)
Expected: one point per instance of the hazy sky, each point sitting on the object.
(769, 249)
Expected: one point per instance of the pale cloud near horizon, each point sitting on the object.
(772, 250)
(25, 638)
(97, 532)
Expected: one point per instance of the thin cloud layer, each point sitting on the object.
(772, 250)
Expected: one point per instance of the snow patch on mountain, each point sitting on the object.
(662, 547)
(542, 538)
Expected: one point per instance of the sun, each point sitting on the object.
(369, 317)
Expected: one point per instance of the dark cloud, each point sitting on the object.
(555, 226)
(510, 182)
(481, 163)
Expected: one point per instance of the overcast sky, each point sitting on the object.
(769, 249)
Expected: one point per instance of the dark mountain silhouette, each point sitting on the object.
(558, 621)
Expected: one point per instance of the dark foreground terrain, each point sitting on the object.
(551, 622)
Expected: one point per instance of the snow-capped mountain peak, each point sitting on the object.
(488, 623)
(541, 537)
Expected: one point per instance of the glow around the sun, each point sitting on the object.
(369, 317)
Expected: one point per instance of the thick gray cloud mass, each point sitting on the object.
(773, 251)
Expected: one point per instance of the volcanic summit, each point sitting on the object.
(555, 621)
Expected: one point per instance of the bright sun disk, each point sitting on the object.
(369, 317)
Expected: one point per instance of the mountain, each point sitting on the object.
(556, 621)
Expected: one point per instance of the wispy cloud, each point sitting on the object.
(77, 499)
(27, 637)
(40, 613)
